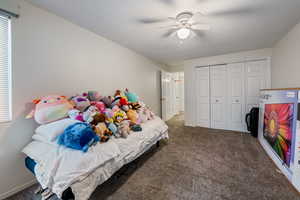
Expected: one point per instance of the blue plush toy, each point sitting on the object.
(131, 97)
(79, 136)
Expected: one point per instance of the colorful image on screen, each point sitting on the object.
(278, 128)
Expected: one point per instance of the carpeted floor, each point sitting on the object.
(196, 164)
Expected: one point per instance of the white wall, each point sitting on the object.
(286, 60)
(189, 78)
(51, 55)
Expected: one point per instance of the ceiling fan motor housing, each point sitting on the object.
(184, 17)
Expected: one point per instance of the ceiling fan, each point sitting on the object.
(184, 25)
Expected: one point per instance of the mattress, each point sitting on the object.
(58, 169)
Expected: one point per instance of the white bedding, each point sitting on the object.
(59, 168)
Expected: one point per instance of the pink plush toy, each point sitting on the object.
(50, 108)
(99, 104)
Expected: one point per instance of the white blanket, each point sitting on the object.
(59, 168)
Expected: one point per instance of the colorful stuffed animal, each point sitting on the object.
(107, 101)
(134, 106)
(133, 116)
(124, 129)
(79, 136)
(97, 118)
(109, 114)
(99, 104)
(89, 113)
(136, 128)
(50, 108)
(132, 97)
(102, 131)
(94, 96)
(113, 128)
(142, 115)
(119, 116)
(76, 114)
(80, 102)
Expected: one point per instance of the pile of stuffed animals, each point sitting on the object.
(106, 116)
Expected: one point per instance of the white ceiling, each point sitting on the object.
(237, 25)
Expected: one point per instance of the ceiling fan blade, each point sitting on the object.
(173, 19)
(168, 2)
(198, 33)
(171, 27)
(200, 26)
(169, 33)
(151, 20)
(245, 10)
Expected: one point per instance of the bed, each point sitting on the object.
(72, 174)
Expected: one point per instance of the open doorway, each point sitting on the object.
(172, 93)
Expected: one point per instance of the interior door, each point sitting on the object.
(163, 95)
(181, 89)
(166, 95)
(236, 100)
(202, 97)
(256, 79)
(218, 85)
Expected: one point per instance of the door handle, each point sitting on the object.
(237, 101)
(217, 100)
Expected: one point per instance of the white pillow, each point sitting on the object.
(49, 132)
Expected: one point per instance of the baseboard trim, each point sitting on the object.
(17, 189)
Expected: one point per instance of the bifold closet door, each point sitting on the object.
(202, 97)
(256, 79)
(218, 91)
(236, 96)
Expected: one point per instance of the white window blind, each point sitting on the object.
(5, 69)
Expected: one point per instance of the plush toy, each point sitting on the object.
(80, 102)
(119, 99)
(113, 128)
(102, 131)
(125, 108)
(76, 114)
(109, 114)
(99, 104)
(142, 115)
(78, 136)
(132, 98)
(107, 101)
(97, 118)
(124, 128)
(50, 108)
(115, 108)
(133, 116)
(134, 106)
(119, 116)
(89, 113)
(136, 128)
(94, 96)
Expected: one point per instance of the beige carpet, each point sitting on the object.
(197, 164)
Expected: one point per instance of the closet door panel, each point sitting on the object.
(256, 79)
(236, 106)
(203, 97)
(218, 96)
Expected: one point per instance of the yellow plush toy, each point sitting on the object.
(133, 116)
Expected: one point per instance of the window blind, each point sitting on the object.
(5, 69)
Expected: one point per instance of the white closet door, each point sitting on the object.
(236, 100)
(218, 85)
(256, 79)
(202, 95)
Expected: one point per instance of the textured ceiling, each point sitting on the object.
(237, 25)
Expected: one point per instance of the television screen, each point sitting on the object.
(278, 129)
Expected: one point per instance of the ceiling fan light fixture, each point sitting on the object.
(183, 33)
